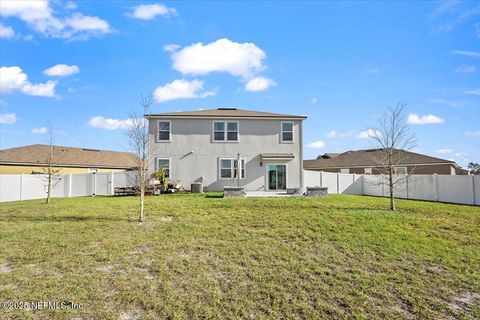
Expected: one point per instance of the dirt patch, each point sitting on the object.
(166, 219)
(106, 268)
(465, 301)
(4, 268)
(131, 315)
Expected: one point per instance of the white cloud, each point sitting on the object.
(259, 84)
(8, 118)
(109, 123)
(473, 133)
(316, 144)
(61, 70)
(332, 134)
(238, 59)
(171, 47)
(80, 23)
(465, 69)
(181, 89)
(444, 151)
(414, 118)
(473, 91)
(368, 134)
(14, 79)
(41, 130)
(6, 32)
(471, 54)
(39, 16)
(151, 11)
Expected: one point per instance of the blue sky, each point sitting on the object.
(82, 66)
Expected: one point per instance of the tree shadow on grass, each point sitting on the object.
(215, 196)
(13, 218)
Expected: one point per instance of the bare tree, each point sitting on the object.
(138, 135)
(392, 135)
(49, 171)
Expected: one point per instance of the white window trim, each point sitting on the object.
(281, 132)
(157, 167)
(232, 169)
(158, 132)
(225, 122)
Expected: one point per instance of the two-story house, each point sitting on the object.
(204, 145)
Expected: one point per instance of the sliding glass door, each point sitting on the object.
(277, 176)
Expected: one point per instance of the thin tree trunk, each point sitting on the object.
(392, 196)
(49, 187)
(142, 198)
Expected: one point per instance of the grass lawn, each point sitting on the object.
(202, 256)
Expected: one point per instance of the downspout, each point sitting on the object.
(301, 154)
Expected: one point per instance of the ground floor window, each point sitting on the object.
(164, 164)
(367, 171)
(344, 170)
(228, 168)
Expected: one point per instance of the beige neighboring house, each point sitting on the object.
(203, 146)
(366, 162)
(32, 159)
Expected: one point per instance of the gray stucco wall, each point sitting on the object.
(193, 155)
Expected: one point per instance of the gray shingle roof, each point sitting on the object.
(366, 158)
(225, 112)
(37, 154)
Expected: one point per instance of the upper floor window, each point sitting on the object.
(164, 130)
(287, 132)
(225, 131)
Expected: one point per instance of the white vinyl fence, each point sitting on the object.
(444, 188)
(14, 187)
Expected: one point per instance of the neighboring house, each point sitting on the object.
(33, 159)
(203, 146)
(367, 162)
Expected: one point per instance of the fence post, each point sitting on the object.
(112, 189)
(338, 182)
(321, 178)
(21, 186)
(69, 185)
(473, 188)
(437, 197)
(383, 185)
(406, 181)
(94, 182)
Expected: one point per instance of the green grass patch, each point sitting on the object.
(201, 256)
